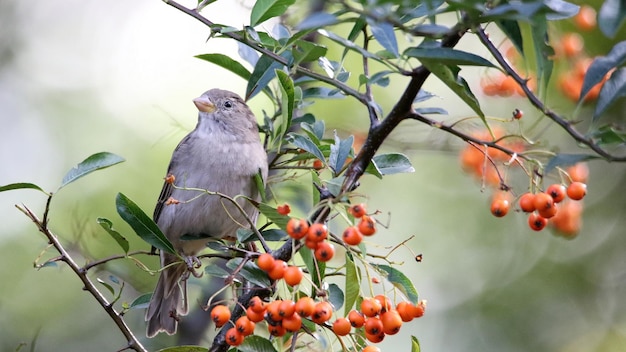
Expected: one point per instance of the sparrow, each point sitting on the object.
(222, 154)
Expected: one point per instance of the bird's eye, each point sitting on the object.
(228, 104)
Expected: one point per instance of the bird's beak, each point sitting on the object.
(204, 104)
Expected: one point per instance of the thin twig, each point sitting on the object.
(133, 342)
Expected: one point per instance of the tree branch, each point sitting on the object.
(535, 101)
(133, 342)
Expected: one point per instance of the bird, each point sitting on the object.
(221, 155)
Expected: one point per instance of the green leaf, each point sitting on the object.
(608, 134)
(306, 144)
(431, 110)
(613, 88)
(415, 344)
(602, 65)
(92, 163)
(512, 30)
(339, 152)
(335, 296)
(450, 76)
(273, 215)
(259, 182)
(372, 169)
(266, 9)
(400, 281)
(106, 285)
(447, 56)
(255, 343)
(314, 130)
(107, 225)
(352, 283)
(226, 62)
(317, 20)
(611, 16)
(184, 349)
(393, 163)
(304, 51)
(274, 235)
(384, 34)
(281, 125)
(21, 185)
(564, 160)
(348, 44)
(143, 225)
(543, 51)
(250, 272)
(142, 301)
(216, 271)
(261, 76)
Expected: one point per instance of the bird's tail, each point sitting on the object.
(169, 300)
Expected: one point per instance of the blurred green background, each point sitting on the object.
(79, 77)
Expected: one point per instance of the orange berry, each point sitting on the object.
(220, 315)
(499, 207)
(317, 232)
(233, 337)
(342, 327)
(286, 308)
(557, 192)
(356, 319)
(568, 220)
(311, 244)
(573, 44)
(405, 309)
(419, 308)
(322, 313)
(373, 326)
(371, 307)
(585, 19)
(284, 209)
(257, 304)
(375, 338)
(576, 190)
(265, 262)
(375, 280)
(385, 303)
(276, 330)
(255, 316)
(305, 306)
(278, 270)
(507, 86)
(543, 201)
(292, 323)
(371, 348)
(273, 310)
(352, 236)
(367, 226)
(578, 172)
(527, 202)
(245, 326)
(324, 251)
(548, 212)
(536, 222)
(357, 210)
(297, 228)
(318, 164)
(293, 275)
(392, 322)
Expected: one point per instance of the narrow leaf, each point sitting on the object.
(339, 152)
(92, 163)
(335, 296)
(543, 51)
(266, 9)
(564, 160)
(143, 225)
(250, 272)
(602, 65)
(273, 215)
(21, 185)
(384, 34)
(448, 56)
(141, 302)
(611, 16)
(261, 76)
(226, 62)
(106, 285)
(352, 283)
(281, 125)
(107, 225)
(305, 143)
(393, 163)
(512, 30)
(612, 89)
(609, 134)
(216, 271)
(450, 76)
(415, 344)
(317, 20)
(400, 281)
(184, 349)
(256, 343)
